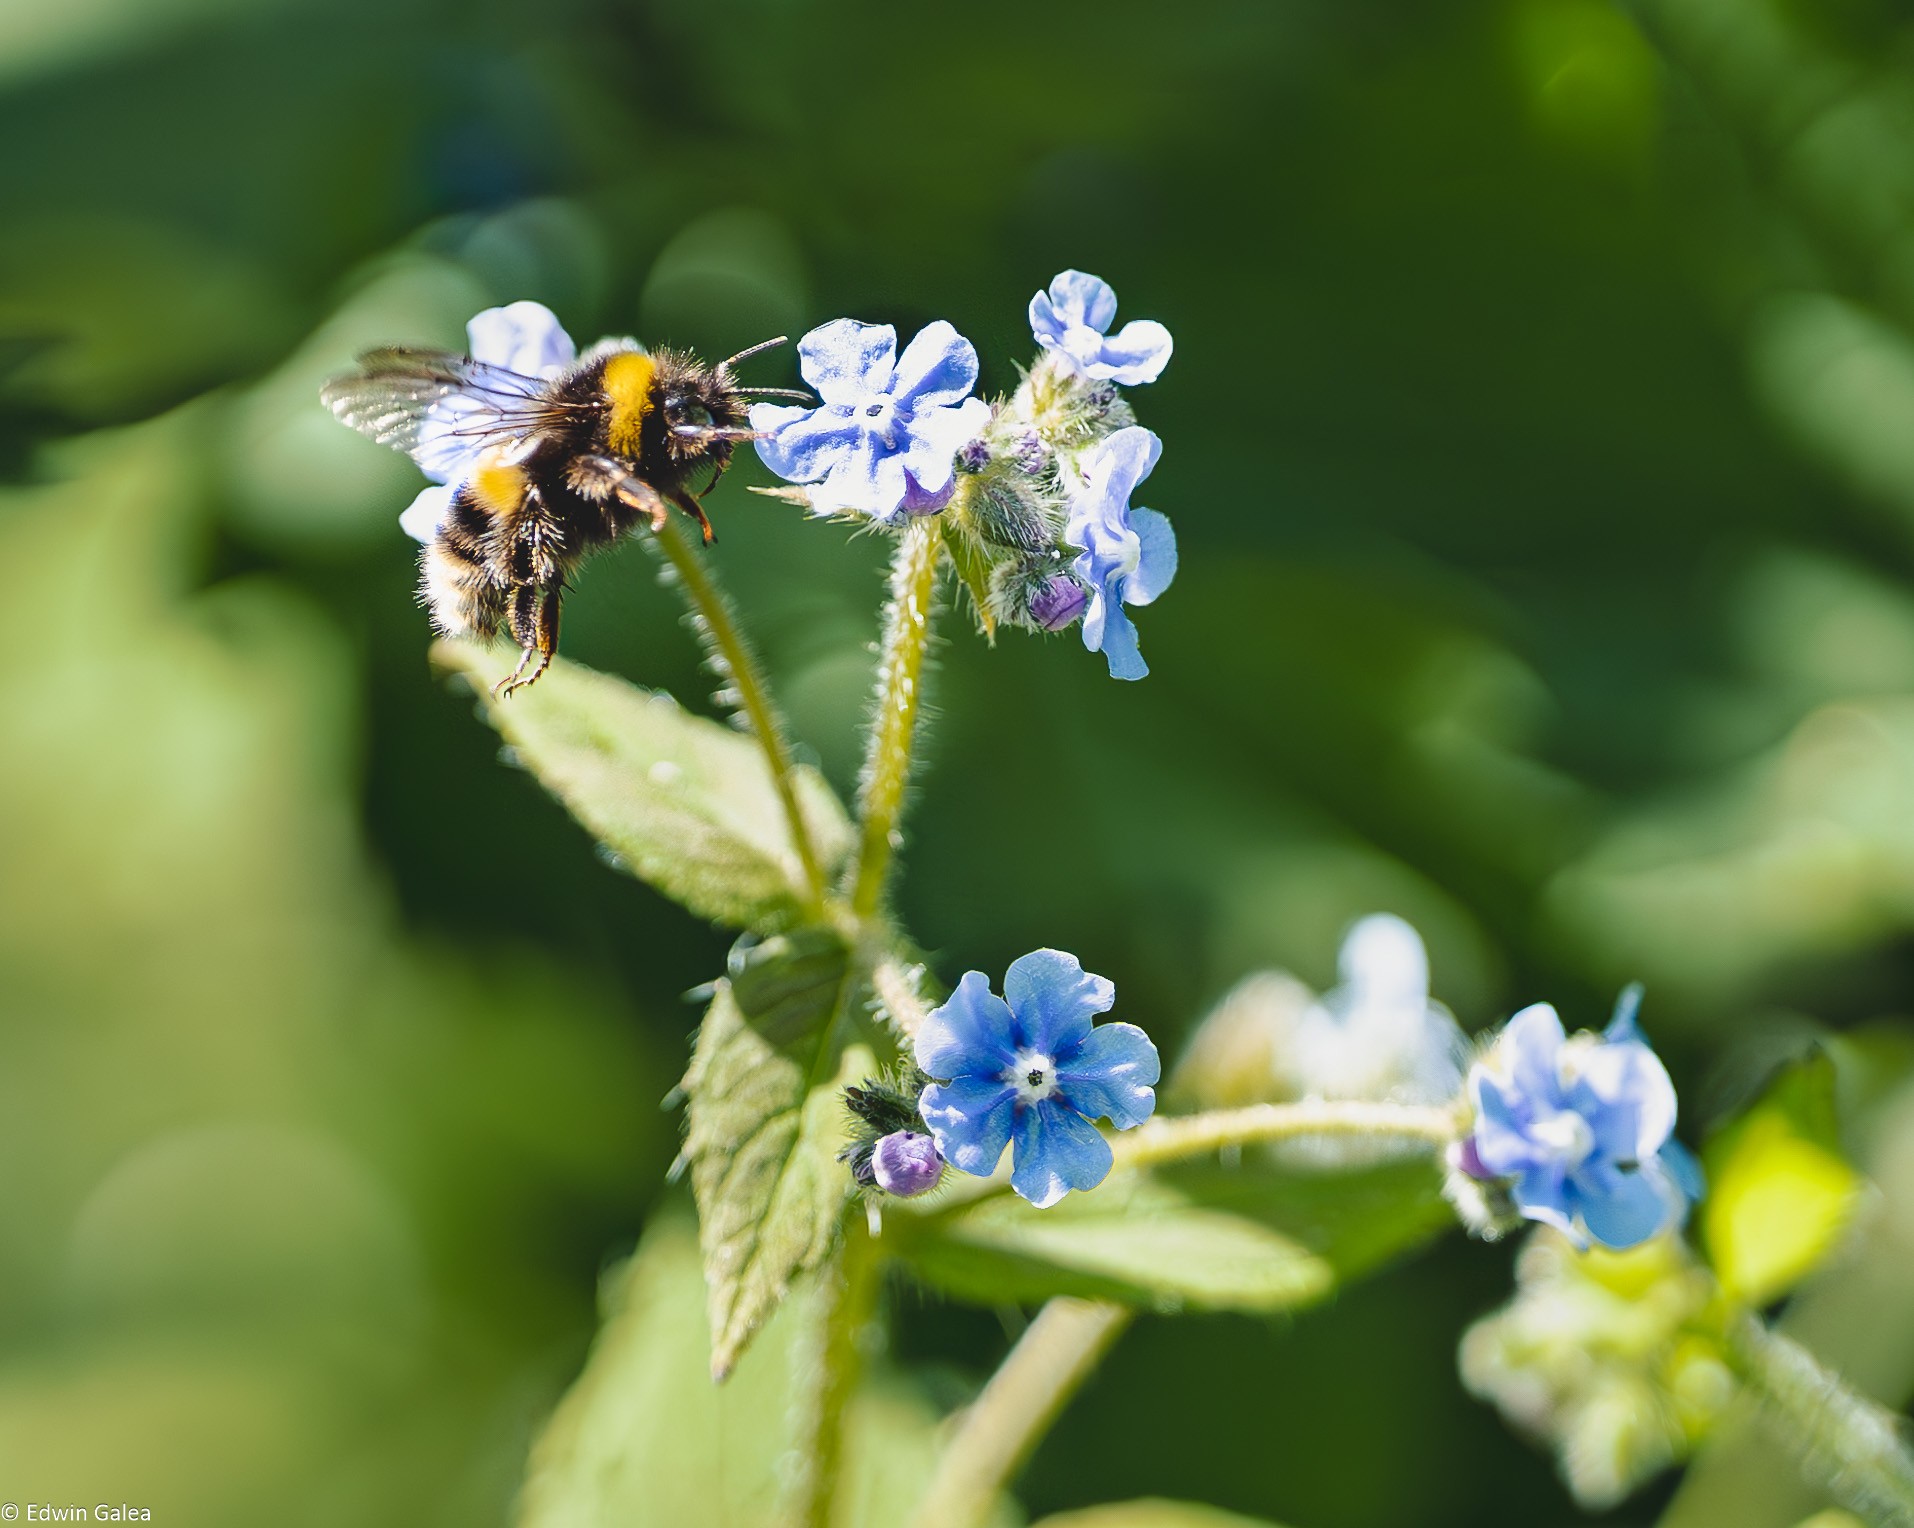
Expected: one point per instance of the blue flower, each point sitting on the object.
(1128, 556)
(1073, 318)
(1581, 1129)
(522, 338)
(883, 440)
(1029, 1068)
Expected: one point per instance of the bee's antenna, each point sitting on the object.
(774, 392)
(752, 350)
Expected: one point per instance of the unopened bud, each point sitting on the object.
(905, 1163)
(1058, 603)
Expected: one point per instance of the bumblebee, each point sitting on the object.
(546, 471)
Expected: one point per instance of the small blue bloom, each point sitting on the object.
(1128, 556)
(522, 338)
(1581, 1129)
(906, 1164)
(1073, 318)
(1029, 1068)
(884, 439)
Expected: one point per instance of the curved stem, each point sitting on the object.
(1195, 1135)
(734, 661)
(1852, 1444)
(896, 987)
(1026, 1394)
(848, 1293)
(900, 689)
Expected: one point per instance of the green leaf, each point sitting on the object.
(1247, 1238)
(1132, 1239)
(764, 1126)
(1355, 1217)
(685, 804)
(1152, 1512)
(645, 1438)
(1780, 1193)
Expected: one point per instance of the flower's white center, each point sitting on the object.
(1033, 1075)
(878, 416)
(1567, 1136)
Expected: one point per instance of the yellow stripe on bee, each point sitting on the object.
(627, 383)
(496, 485)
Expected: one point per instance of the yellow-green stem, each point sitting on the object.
(1027, 1393)
(1169, 1139)
(732, 657)
(1851, 1444)
(900, 693)
(849, 1294)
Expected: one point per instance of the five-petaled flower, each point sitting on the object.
(1127, 556)
(1073, 319)
(1580, 1129)
(527, 345)
(1029, 1068)
(883, 439)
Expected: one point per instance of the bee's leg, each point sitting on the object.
(615, 487)
(694, 509)
(534, 619)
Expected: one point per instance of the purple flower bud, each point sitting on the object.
(974, 456)
(1058, 603)
(906, 1163)
(1031, 454)
(1465, 1159)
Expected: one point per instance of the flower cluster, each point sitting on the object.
(1576, 1133)
(1035, 491)
(1030, 1070)
(1613, 1359)
(522, 340)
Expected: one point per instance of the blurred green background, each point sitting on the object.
(1540, 443)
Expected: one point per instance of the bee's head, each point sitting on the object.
(703, 413)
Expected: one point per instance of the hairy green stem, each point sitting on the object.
(733, 660)
(1027, 1393)
(896, 987)
(1851, 1444)
(848, 1293)
(900, 693)
(1170, 1139)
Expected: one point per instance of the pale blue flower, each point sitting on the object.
(1128, 556)
(1073, 318)
(883, 439)
(524, 339)
(1378, 1034)
(1580, 1130)
(1029, 1070)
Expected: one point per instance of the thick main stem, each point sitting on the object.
(900, 692)
(1004, 1425)
(731, 656)
(848, 1294)
(1851, 1443)
(1170, 1139)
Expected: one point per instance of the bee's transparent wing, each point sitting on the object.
(441, 409)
